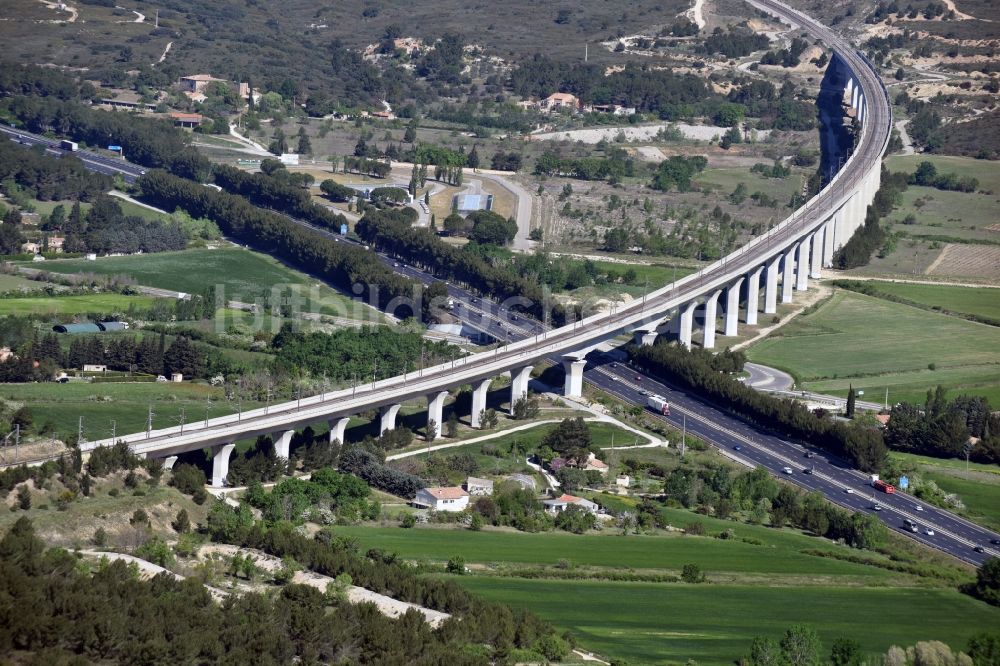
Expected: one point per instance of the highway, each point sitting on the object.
(94, 162)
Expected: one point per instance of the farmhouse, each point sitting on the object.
(189, 120)
(446, 498)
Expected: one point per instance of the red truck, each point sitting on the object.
(884, 487)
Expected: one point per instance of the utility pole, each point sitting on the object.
(181, 418)
(208, 406)
(17, 445)
(114, 430)
(79, 432)
(149, 420)
(684, 427)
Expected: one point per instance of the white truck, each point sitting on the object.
(71, 146)
(658, 404)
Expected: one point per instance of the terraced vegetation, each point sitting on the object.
(870, 343)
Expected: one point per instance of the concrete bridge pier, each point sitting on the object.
(816, 255)
(711, 314)
(771, 286)
(788, 273)
(733, 307)
(828, 230)
(387, 419)
(220, 463)
(802, 264)
(687, 323)
(435, 413)
(337, 429)
(283, 444)
(519, 385)
(573, 367)
(753, 294)
(479, 392)
(169, 462)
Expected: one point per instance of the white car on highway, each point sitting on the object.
(929, 532)
(787, 470)
(849, 491)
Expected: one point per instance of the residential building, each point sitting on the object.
(30, 248)
(593, 464)
(189, 120)
(557, 101)
(445, 498)
(563, 502)
(5, 353)
(95, 367)
(476, 486)
(623, 481)
(196, 83)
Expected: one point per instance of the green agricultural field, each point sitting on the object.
(714, 624)
(956, 214)
(986, 172)
(981, 301)
(873, 343)
(18, 283)
(237, 273)
(125, 403)
(780, 554)
(72, 305)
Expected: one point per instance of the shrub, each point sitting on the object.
(692, 573)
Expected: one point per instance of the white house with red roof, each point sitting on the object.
(564, 501)
(442, 498)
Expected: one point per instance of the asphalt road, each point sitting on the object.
(735, 438)
(94, 162)
(765, 378)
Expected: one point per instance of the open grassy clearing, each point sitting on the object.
(725, 181)
(980, 494)
(126, 403)
(966, 300)
(17, 283)
(72, 305)
(959, 215)
(713, 624)
(888, 343)
(237, 274)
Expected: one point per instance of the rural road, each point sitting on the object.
(764, 378)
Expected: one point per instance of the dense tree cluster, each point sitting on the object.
(345, 496)
(341, 264)
(277, 194)
(386, 231)
(106, 229)
(942, 428)
(765, 501)
(48, 178)
(336, 191)
(677, 171)
(93, 615)
(150, 142)
(672, 96)
(370, 466)
(786, 57)
(613, 168)
(928, 176)
(861, 445)
(347, 354)
(736, 43)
